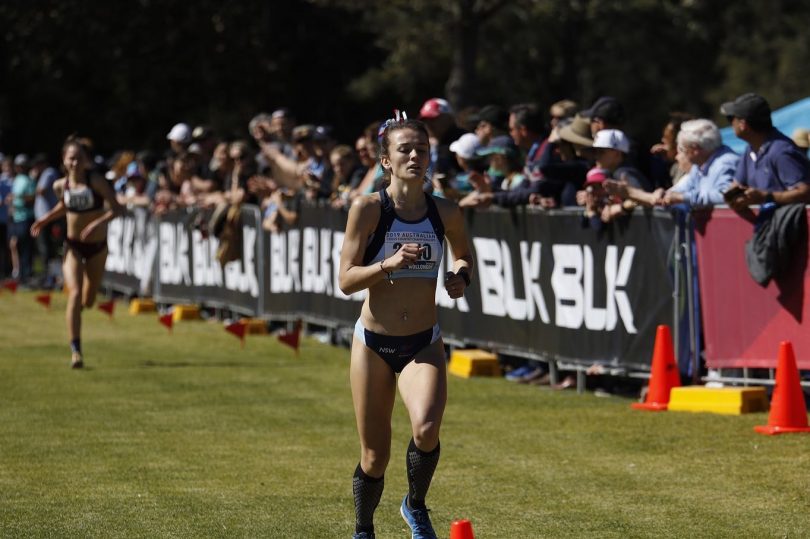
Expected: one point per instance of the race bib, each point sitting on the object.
(430, 248)
(79, 199)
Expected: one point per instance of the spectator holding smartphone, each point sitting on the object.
(772, 168)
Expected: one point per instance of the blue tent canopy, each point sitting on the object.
(786, 120)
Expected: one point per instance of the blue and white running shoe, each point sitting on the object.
(418, 520)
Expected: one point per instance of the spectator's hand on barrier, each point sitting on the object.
(737, 196)
(755, 196)
(616, 188)
(659, 196)
(455, 285)
(610, 212)
(548, 203)
(582, 198)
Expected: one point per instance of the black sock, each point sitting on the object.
(367, 492)
(420, 466)
(76, 346)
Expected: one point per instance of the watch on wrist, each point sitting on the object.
(464, 275)
(769, 197)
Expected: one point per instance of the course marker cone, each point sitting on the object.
(44, 299)
(461, 529)
(664, 374)
(237, 328)
(167, 320)
(788, 411)
(107, 306)
(292, 338)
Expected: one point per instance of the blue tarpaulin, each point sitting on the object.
(786, 120)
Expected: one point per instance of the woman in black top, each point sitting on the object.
(82, 194)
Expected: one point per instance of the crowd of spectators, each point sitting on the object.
(564, 155)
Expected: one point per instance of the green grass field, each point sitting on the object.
(188, 435)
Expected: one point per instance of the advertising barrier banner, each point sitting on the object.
(188, 271)
(743, 323)
(545, 284)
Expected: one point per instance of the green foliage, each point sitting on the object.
(188, 435)
(123, 73)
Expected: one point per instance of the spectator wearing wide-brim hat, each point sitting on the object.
(577, 132)
(801, 138)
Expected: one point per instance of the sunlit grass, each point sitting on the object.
(189, 435)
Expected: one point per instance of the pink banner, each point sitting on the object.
(743, 323)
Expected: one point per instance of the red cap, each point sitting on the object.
(596, 175)
(432, 108)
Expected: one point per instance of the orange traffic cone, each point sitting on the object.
(788, 412)
(664, 374)
(461, 529)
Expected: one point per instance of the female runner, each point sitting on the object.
(82, 194)
(393, 248)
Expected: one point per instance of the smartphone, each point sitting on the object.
(733, 192)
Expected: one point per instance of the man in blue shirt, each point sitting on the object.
(772, 168)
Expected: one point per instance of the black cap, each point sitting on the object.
(748, 107)
(497, 116)
(607, 108)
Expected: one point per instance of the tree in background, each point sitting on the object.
(123, 73)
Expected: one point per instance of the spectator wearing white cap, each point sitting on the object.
(612, 147)
(179, 137)
(471, 168)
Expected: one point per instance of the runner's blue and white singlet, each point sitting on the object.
(392, 232)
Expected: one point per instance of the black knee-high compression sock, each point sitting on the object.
(420, 466)
(367, 492)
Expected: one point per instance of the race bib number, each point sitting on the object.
(79, 199)
(428, 245)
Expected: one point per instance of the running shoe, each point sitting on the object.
(76, 361)
(418, 520)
